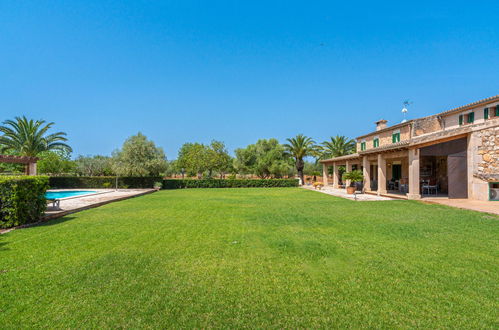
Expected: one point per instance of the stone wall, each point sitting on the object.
(487, 168)
(385, 137)
(427, 125)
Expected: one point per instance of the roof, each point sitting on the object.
(351, 156)
(471, 105)
(17, 159)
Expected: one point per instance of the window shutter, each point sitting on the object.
(486, 113)
(497, 111)
(471, 117)
(461, 119)
(394, 138)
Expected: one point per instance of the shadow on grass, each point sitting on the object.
(57, 221)
(2, 244)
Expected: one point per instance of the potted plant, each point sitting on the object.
(158, 185)
(353, 176)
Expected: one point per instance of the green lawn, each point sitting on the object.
(279, 257)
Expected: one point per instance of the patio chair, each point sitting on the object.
(392, 185)
(429, 186)
(403, 186)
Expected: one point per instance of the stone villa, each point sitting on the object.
(452, 154)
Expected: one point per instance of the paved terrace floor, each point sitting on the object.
(343, 193)
(480, 206)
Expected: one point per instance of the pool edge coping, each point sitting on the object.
(77, 196)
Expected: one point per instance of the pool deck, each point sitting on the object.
(84, 202)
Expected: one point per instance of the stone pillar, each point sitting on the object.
(335, 176)
(32, 169)
(367, 173)
(414, 191)
(478, 189)
(381, 175)
(348, 167)
(324, 174)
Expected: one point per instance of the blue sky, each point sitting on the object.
(237, 71)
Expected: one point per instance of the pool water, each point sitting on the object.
(64, 194)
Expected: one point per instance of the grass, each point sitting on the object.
(232, 258)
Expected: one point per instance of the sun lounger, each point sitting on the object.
(56, 203)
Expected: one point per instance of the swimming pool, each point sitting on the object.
(65, 194)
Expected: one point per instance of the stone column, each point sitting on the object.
(414, 191)
(324, 173)
(367, 173)
(32, 168)
(348, 167)
(381, 175)
(478, 189)
(335, 176)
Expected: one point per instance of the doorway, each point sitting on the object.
(443, 169)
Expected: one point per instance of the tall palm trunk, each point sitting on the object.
(300, 164)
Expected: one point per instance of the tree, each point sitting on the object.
(312, 168)
(55, 162)
(337, 146)
(266, 158)
(94, 165)
(219, 159)
(139, 157)
(193, 159)
(300, 147)
(29, 138)
(172, 169)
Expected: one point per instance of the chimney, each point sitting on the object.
(380, 124)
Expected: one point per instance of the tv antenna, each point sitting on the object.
(404, 109)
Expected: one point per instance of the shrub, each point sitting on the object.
(354, 176)
(22, 199)
(228, 183)
(63, 182)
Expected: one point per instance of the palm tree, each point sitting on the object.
(338, 146)
(28, 137)
(299, 147)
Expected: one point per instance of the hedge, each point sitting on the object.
(65, 182)
(229, 183)
(68, 182)
(22, 199)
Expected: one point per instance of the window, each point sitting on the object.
(471, 118)
(396, 137)
(376, 142)
(461, 120)
(363, 145)
(497, 111)
(486, 113)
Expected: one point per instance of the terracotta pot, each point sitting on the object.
(351, 190)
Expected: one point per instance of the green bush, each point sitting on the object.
(228, 183)
(64, 182)
(22, 199)
(353, 176)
